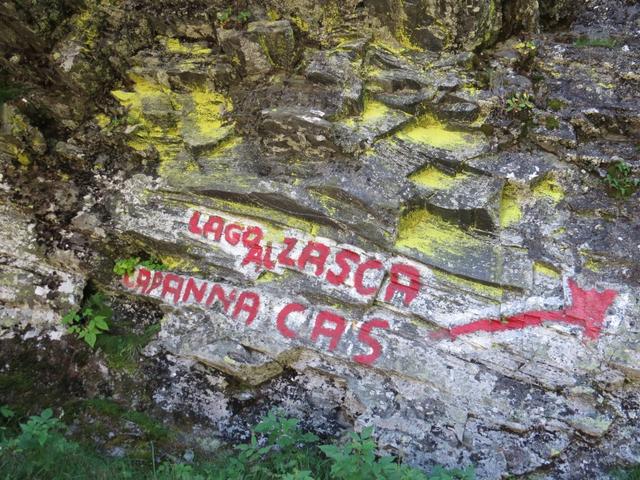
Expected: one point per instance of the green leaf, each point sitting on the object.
(331, 451)
(366, 433)
(100, 322)
(70, 318)
(6, 412)
(90, 338)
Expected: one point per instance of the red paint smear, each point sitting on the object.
(588, 311)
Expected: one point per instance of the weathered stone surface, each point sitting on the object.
(335, 68)
(555, 137)
(375, 122)
(300, 129)
(276, 40)
(353, 229)
(468, 199)
(520, 167)
(246, 52)
(33, 291)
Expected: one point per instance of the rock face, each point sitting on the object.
(353, 208)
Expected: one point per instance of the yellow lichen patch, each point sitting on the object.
(300, 22)
(174, 263)
(543, 269)
(432, 177)
(23, 158)
(559, 232)
(330, 204)
(471, 89)
(225, 147)
(383, 39)
(208, 111)
(267, 277)
(427, 233)
(405, 41)
(174, 45)
(164, 119)
(273, 14)
(428, 130)
(549, 188)
(510, 211)
(148, 102)
(479, 288)
(592, 263)
(373, 112)
(271, 277)
(102, 120)
(87, 27)
(146, 92)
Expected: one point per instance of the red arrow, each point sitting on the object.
(588, 311)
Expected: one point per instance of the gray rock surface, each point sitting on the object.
(354, 226)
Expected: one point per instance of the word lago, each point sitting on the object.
(338, 266)
(293, 320)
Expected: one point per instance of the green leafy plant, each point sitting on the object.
(527, 51)
(552, 123)
(6, 412)
(620, 181)
(357, 458)
(606, 42)
(526, 46)
(39, 445)
(39, 428)
(9, 92)
(520, 102)
(224, 15)
(40, 450)
(90, 321)
(153, 264)
(228, 19)
(244, 16)
(278, 450)
(555, 104)
(126, 266)
(632, 473)
(122, 349)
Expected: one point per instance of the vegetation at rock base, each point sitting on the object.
(126, 266)
(90, 321)
(8, 92)
(520, 102)
(620, 181)
(551, 123)
(555, 104)
(278, 449)
(595, 42)
(629, 474)
(122, 349)
(229, 19)
(527, 47)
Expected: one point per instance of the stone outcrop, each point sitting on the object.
(362, 217)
